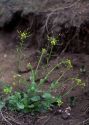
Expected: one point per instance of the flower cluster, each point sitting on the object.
(79, 82)
(67, 63)
(44, 51)
(53, 41)
(23, 35)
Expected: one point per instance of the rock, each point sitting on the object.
(52, 17)
(69, 11)
(65, 116)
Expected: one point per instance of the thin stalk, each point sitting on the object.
(52, 70)
(39, 62)
(61, 76)
(50, 54)
(68, 80)
(32, 71)
(19, 53)
(74, 86)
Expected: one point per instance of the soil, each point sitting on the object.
(79, 114)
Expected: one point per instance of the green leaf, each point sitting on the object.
(20, 105)
(2, 104)
(32, 88)
(25, 102)
(59, 101)
(7, 89)
(35, 98)
(31, 106)
(47, 104)
(47, 95)
(42, 81)
(54, 84)
(13, 100)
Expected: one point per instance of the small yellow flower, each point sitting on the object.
(79, 82)
(67, 63)
(53, 41)
(44, 51)
(60, 102)
(23, 35)
(7, 89)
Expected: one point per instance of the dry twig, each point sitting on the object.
(4, 118)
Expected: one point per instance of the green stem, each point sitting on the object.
(50, 54)
(39, 62)
(52, 70)
(31, 69)
(60, 78)
(68, 79)
(20, 47)
(61, 75)
(74, 86)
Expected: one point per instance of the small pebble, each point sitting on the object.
(65, 116)
(60, 111)
(5, 55)
(68, 108)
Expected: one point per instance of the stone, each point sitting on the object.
(69, 11)
(53, 17)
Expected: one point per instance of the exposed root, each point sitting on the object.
(13, 120)
(4, 118)
(55, 11)
(68, 43)
(8, 119)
